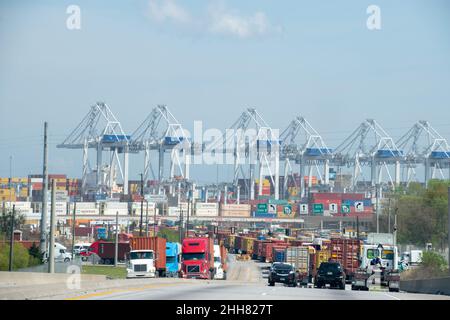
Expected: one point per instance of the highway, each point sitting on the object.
(245, 282)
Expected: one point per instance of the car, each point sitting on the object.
(282, 273)
(330, 273)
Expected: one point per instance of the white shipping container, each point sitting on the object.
(86, 212)
(209, 205)
(175, 211)
(84, 205)
(18, 204)
(207, 212)
(112, 212)
(116, 205)
(137, 205)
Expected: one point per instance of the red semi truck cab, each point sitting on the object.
(197, 258)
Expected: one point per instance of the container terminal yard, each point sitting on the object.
(223, 150)
(170, 227)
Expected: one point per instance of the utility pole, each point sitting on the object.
(154, 221)
(389, 216)
(189, 208)
(142, 204)
(180, 227)
(395, 227)
(378, 209)
(51, 255)
(11, 239)
(73, 227)
(449, 228)
(43, 240)
(116, 244)
(357, 236)
(146, 219)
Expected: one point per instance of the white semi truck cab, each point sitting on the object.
(219, 273)
(141, 264)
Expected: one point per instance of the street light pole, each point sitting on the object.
(142, 204)
(73, 227)
(11, 239)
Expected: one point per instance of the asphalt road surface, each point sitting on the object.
(245, 281)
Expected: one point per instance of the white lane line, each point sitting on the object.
(264, 293)
(392, 296)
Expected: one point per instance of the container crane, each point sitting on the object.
(100, 130)
(305, 146)
(161, 131)
(377, 151)
(424, 145)
(251, 141)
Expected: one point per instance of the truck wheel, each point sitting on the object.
(67, 260)
(271, 284)
(393, 290)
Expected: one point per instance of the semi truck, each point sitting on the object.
(158, 246)
(299, 258)
(197, 258)
(141, 264)
(346, 251)
(173, 259)
(220, 266)
(387, 257)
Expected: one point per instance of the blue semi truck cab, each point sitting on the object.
(173, 259)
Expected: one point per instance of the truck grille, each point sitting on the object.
(140, 267)
(193, 269)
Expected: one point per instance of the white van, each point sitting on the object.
(81, 247)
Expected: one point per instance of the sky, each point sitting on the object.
(209, 60)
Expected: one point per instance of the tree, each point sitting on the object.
(35, 252)
(5, 222)
(422, 213)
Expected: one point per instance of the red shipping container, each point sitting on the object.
(157, 244)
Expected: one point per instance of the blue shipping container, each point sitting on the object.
(172, 140)
(279, 255)
(114, 138)
(389, 153)
(440, 155)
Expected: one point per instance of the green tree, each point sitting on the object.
(421, 213)
(5, 222)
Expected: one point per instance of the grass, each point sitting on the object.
(110, 272)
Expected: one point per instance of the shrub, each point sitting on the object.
(21, 258)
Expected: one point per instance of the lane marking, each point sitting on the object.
(109, 292)
(392, 296)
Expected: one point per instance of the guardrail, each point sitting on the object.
(428, 286)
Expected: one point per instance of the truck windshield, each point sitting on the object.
(170, 259)
(193, 256)
(141, 255)
(387, 254)
(372, 253)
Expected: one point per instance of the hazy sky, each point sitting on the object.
(208, 60)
